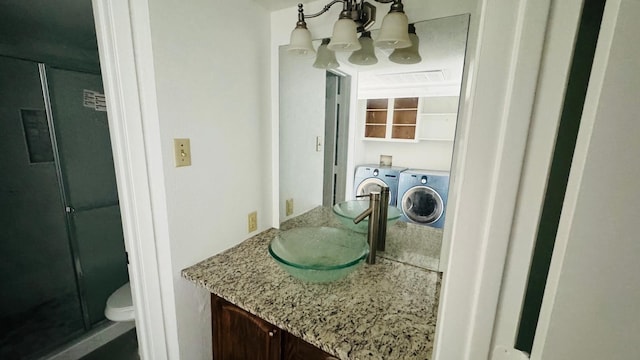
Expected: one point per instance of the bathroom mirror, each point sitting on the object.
(333, 122)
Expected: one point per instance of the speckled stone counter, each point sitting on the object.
(408, 243)
(382, 311)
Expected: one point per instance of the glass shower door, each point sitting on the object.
(39, 307)
(91, 197)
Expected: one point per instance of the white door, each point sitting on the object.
(591, 307)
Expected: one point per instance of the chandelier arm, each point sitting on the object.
(325, 9)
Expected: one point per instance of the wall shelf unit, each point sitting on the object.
(411, 119)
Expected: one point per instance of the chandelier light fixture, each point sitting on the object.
(393, 33)
(408, 55)
(366, 55)
(357, 16)
(326, 58)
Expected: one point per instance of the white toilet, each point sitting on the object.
(120, 305)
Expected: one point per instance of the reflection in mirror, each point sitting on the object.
(345, 130)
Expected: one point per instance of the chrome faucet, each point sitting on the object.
(377, 213)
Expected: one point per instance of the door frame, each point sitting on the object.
(128, 79)
(501, 79)
(335, 138)
(610, 95)
(554, 73)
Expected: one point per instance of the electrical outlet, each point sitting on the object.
(386, 160)
(289, 210)
(253, 221)
(182, 149)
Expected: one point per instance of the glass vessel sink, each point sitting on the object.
(346, 211)
(319, 254)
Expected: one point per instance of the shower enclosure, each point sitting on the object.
(61, 245)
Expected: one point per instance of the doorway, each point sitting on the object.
(62, 247)
(336, 134)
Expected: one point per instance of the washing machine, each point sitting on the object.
(369, 178)
(422, 196)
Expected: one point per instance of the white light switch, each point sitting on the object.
(182, 149)
(319, 143)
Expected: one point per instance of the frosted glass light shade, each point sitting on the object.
(409, 55)
(366, 55)
(345, 36)
(394, 33)
(300, 43)
(326, 59)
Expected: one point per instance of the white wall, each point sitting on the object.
(590, 306)
(215, 92)
(433, 155)
(302, 90)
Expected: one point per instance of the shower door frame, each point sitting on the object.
(73, 241)
(92, 311)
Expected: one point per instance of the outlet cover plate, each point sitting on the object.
(289, 207)
(253, 221)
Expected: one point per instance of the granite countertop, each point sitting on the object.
(382, 311)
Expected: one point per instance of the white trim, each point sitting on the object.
(569, 208)
(557, 58)
(120, 75)
(488, 166)
(508, 353)
(275, 129)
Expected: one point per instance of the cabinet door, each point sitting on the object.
(393, 119)
(239, 335)
(298, 349)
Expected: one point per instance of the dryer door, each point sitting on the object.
(370, 184)
(422, 204)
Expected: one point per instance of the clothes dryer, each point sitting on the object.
(422, 196)
(371, 177)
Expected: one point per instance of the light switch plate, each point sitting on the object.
(182, 149)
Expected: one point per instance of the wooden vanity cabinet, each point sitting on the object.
(298, 349)
(239, 335)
